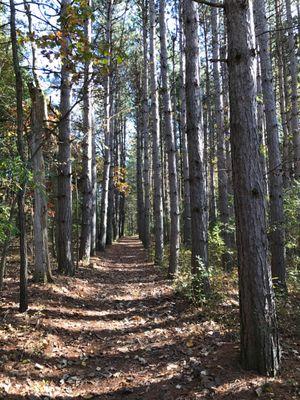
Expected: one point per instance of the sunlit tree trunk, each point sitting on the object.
(220, 131)
(274, 156)
(145, 126)
(39, 116)
(87, 151)
(260, 349)
(195, 138)
(21, 151)
(107, 141)
(64, 179)
(170, 146)
(157, 168)
(184, 150)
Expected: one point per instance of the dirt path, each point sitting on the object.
(115, 331)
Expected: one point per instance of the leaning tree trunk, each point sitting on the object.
(221, 153)
(195, 138)
(87, 151)
(260, 349)
(64, 181)
(39, 116)
(170, 146)
(157, 170)
(21, 151)
(274, 156)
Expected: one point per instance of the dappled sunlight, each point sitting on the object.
(117, 330)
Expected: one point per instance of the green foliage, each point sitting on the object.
(216, 245)
(6, 227)
(189, 284)
(292, 218)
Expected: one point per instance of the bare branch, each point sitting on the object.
(210, 3)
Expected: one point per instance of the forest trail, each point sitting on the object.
(115, 331)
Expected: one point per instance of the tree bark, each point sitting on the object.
(221, 155)
(260, 350)
(195, 139)
(64, 182)
(184, 150)
(107, 140)
(39, 116)
(274, 156)
(293, 70)
(87, 151)
(170, 146)
(145, 126)
(21, 151)
(157, 169)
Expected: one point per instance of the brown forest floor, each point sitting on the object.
(118, 331)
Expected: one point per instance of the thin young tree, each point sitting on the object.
(22, 155)
(39, 117)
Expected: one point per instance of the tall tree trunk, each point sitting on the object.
(87, 151)
(260, 350)
(39, 116)
(111, 186)
(184, 150)
(107, 140)
(145, 126)
(64, 181)
(170, 146)
(210, 137)
(274, 156)
(157, 170)
(221, 155)
(195, 140)
(282, 101)
(94, 195)
(21, 151)
(293, 70)
(139, 169)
